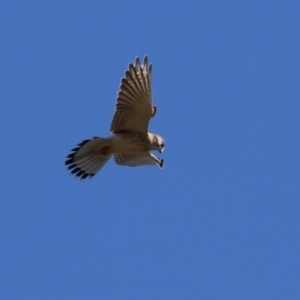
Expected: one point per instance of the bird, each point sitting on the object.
(130, 142)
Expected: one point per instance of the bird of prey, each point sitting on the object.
(130, 142)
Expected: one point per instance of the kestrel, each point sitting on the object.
(130, 142)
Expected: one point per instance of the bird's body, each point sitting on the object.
(130, 142)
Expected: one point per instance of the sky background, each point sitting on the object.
(221, 220)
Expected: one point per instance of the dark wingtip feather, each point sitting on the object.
(137, 61)
(161, 163)
(145, 60)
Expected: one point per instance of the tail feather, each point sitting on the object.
(86, 159)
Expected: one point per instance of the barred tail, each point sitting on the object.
(89, 157)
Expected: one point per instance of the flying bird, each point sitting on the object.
(130, 142)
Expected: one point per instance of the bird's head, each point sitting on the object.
(158, 143)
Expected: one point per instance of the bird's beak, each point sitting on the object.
(161, 150)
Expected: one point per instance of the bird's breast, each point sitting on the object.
(130, 143)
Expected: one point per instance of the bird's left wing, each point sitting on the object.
(134, 101)
(138, 159)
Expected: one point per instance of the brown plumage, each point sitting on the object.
(131, 142)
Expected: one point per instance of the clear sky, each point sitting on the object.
(221, 220)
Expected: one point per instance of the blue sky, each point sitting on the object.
(221, 220)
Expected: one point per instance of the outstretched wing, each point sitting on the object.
(138, 159)
(134, 101)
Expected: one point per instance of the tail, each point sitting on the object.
(89, 157)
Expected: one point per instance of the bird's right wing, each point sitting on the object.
(134, 102)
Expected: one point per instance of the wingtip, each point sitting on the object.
(161, 163)
(137, 61)
(145, 60)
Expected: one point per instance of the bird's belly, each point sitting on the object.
(129, 144)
